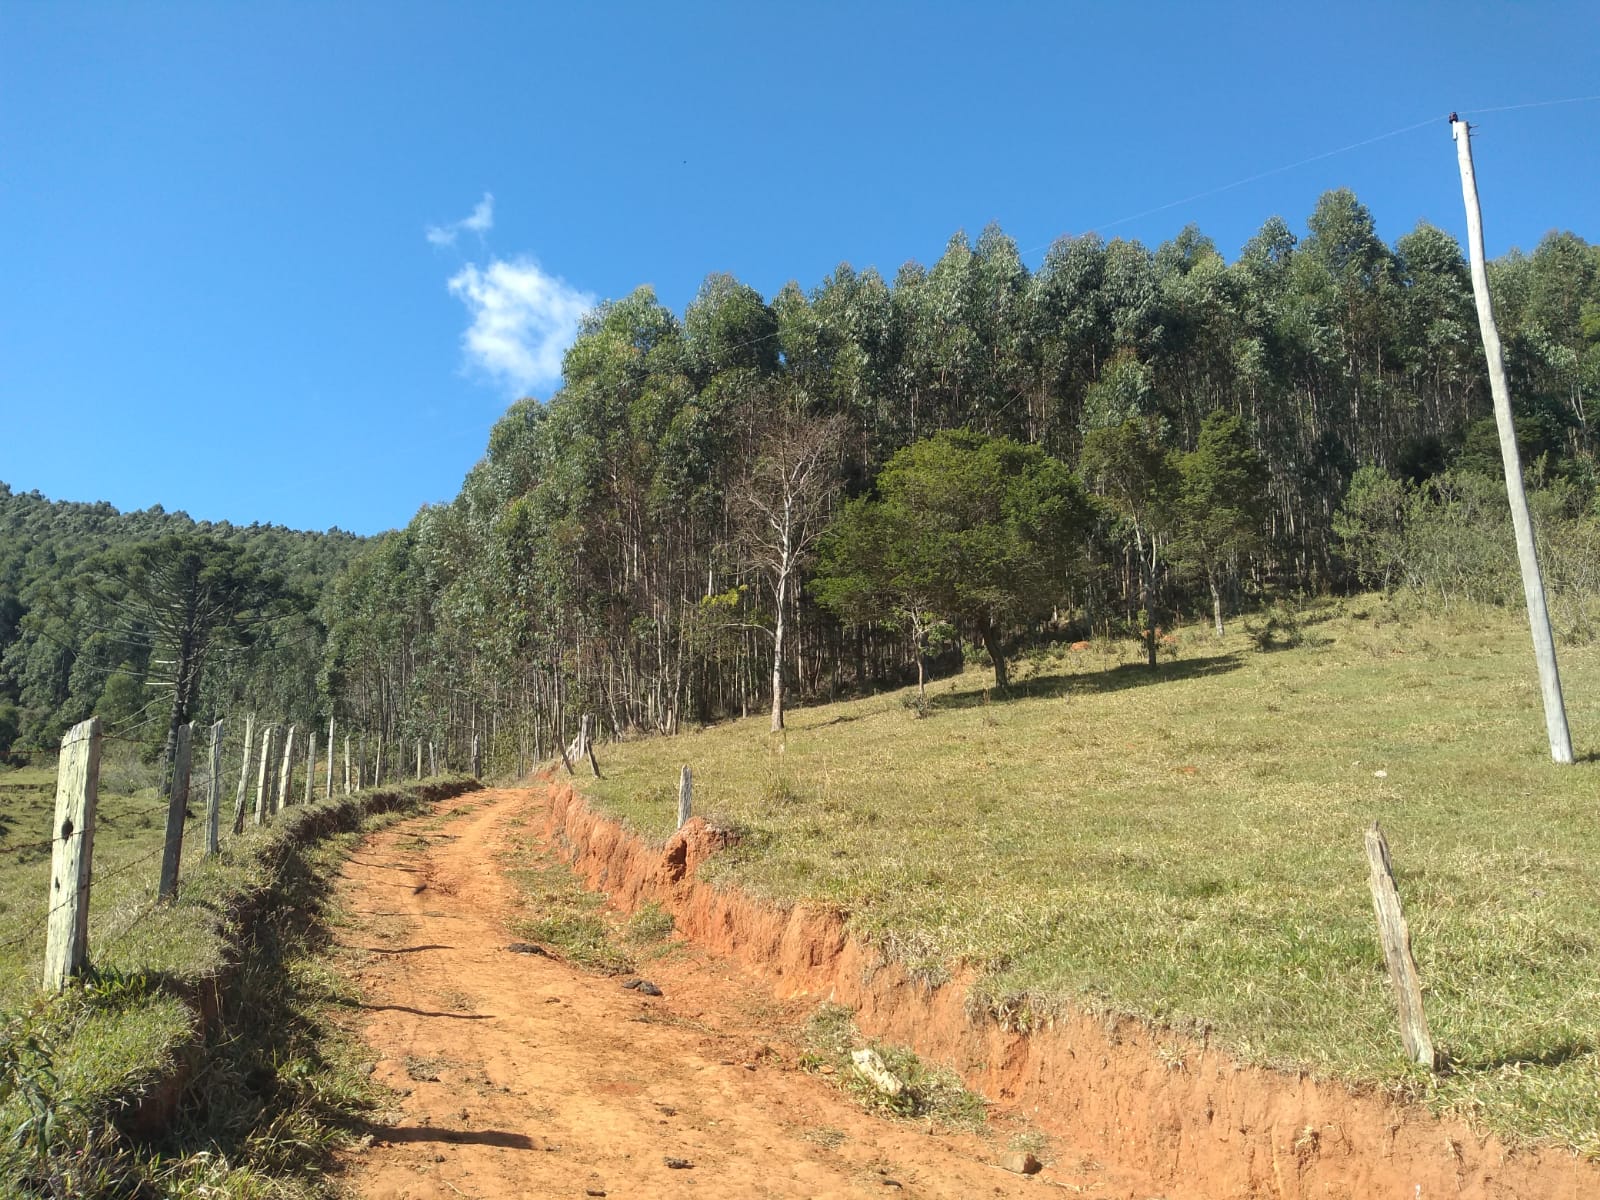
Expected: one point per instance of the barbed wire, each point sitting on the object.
(42, 922)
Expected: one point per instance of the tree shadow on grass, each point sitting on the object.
(1116, 679)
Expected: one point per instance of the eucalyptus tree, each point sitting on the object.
(1129, 467)
(781, 503)
(1221, 502)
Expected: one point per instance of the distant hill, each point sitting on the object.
(63, 655)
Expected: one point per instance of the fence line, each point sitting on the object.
(64, 919)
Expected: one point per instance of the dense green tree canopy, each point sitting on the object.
(980, 531)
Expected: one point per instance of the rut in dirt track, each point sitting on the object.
(523, 1076)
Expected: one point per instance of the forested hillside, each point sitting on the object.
(1312, 415)
(121, 614)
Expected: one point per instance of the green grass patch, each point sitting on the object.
(1185, 846)
(931, 1093)
(558, 913)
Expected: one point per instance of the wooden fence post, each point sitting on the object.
(685, 796)
(264, 776)
(311, 766)
(214, 792)
(244, 774)
(433, 761)
(347, 764)
(66, 950)
(285, 772)
(177, 806)
(1396, 938)
(328, 788)
(477, 762)
(377, 764)
(419, 758)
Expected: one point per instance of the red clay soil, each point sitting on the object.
(554, 1082)
(523, 1076)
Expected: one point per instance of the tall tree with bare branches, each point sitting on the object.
(781, 503)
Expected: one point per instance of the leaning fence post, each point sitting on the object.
(685, 796)
(177, 806)
(377, 764)
(327, 791)
(346, 762)
(1396, 938)
(244, 774)
(214, 792)
(66, 950)
(311, 765)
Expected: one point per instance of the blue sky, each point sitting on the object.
(289, 262)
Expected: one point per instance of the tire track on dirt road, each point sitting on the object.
(521, 1075)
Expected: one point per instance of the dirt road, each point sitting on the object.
(520, 1075)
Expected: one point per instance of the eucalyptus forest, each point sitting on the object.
(763, 501)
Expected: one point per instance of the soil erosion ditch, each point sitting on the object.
(519, 1074)
(1186, 1117)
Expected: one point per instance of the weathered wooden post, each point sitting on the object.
(327, 791)
(311, 766)
(66, 950)
(1396, 938)
(347, 764)
(433, 761)
(244, 774)
(419, 758)
(177, 805)
(477, 762)
(685, 796)
(286, 772)
(214, 793)
(377, 764)
(264, 776)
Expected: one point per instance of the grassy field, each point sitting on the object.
(1186, 846)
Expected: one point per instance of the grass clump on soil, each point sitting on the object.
(112, 1089)
(557, 912)
(930, 1093)
(1185, 845)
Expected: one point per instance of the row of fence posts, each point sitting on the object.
(273, 766)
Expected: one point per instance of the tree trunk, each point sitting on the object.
(1148, 600)
(1216, 604)
(777, 661)
(997, 654)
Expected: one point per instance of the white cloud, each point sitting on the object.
(482, 218)
(523, 319)
(479, 221)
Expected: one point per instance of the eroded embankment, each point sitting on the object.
(1204, 1124)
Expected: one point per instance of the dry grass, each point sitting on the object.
(1186, 846)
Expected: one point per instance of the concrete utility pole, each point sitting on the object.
(1544, 646)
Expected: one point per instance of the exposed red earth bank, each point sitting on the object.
(552, 1056)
